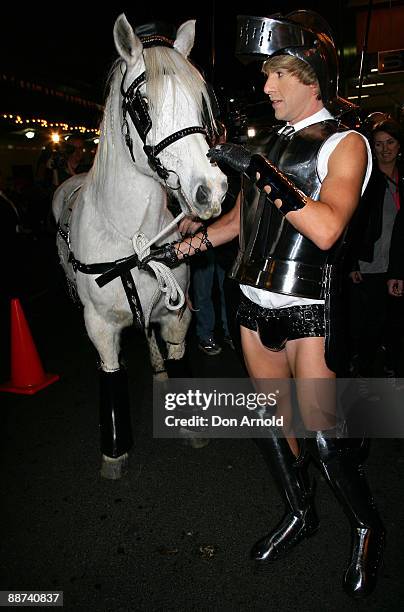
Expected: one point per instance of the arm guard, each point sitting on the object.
(282, 187)
(239, 158)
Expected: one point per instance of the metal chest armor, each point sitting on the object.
(273, 254)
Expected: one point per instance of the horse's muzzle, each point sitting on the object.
(203, 195)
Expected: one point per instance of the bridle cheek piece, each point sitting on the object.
(134, 104)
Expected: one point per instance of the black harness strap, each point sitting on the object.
(197, 129)
(111, 270)
(117, 268)
(106, 268)
(133, 299)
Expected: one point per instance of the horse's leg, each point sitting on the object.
(156, 358)
(115, 426)
(174, 329)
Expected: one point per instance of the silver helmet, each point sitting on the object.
(303, 34)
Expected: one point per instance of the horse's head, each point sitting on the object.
(167, 114)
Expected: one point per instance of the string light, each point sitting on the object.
(45, 123)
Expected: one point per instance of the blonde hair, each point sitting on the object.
(295, 66)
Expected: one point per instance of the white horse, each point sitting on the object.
(153, 142)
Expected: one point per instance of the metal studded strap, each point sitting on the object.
(196, 129)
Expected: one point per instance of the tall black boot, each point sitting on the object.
(340, 461)
(300, 519)
(115, 425)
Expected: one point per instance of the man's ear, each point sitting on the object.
(315, 87)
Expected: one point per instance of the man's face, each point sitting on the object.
(291, 100)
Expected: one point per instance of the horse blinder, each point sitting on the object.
(139, 114)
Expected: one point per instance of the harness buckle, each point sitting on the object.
(154, 162)
(73, 261)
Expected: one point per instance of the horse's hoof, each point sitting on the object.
(160, 376)
(197, 442)
(114, 468)
(191, 438)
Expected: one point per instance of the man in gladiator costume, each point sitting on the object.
(297, 198)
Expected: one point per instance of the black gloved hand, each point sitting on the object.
(234, 155)
(239, 158)
(166, 254)
(242, 160)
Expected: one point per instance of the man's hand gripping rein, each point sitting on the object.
(281, 188)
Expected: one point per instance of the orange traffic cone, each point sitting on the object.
(27, 373)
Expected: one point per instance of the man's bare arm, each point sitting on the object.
(323, 221)
(221, 231)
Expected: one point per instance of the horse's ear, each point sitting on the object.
(128, 45)
(185, 37)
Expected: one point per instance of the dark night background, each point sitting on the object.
(75, 50)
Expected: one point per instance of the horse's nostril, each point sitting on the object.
(203, 195)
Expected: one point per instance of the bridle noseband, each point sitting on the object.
(134, 105)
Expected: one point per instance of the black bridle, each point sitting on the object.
(134, 104)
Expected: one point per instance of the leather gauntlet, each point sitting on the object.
(239, 158)
(282, 187)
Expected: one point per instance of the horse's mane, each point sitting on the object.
(160, 62)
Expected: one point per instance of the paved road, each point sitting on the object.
(175, 533)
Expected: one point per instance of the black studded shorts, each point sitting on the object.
(276, 326)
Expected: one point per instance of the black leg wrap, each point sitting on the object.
(178, 368)
(300, 519)
(340, 461)
(115, 426)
